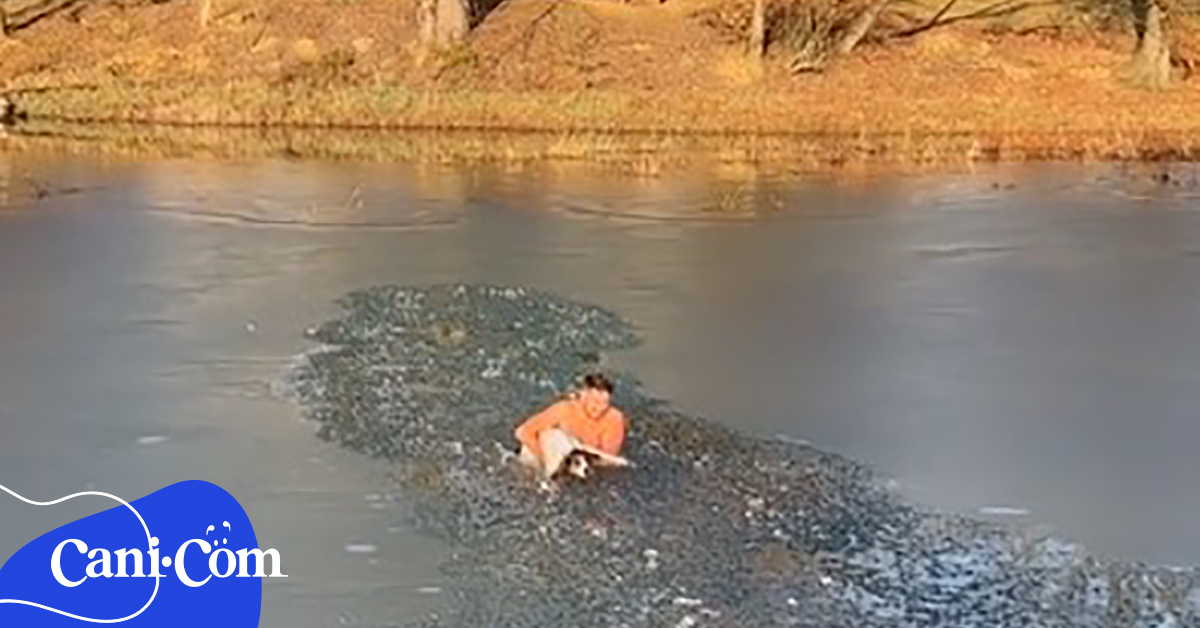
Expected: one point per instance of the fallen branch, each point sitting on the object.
(999, 9)
(530, 30)
(932, 22)
(25, 17)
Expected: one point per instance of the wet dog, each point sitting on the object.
(563, 454)
(578, 465)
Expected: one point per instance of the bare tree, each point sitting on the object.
(859, 27)
(452, 21)
(426, 22)
(818, 37)
(1151, 64)
(442, 22)
(205, 13)
(758, 30)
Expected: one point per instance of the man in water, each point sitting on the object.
(585, 420)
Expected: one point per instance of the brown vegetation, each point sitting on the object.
(1009, 77)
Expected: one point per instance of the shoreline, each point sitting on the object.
(641, 87)
(635, 151)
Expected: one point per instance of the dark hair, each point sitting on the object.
(598, 381)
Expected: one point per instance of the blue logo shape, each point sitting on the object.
(185, 555)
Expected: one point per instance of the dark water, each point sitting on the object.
(1015, 341)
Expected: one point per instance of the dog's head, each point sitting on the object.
(578, 466)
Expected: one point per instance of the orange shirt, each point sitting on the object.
(605, 432)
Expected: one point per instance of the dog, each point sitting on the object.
(563, 454)
(578, 465)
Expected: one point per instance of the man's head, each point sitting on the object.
(596, 394)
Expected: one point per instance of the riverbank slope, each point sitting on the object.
(1021, 87)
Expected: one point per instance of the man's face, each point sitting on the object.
(595, 401)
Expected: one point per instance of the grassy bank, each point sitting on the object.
(594, 81)
(642, 154)
(826, 110)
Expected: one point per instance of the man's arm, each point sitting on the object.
(612, 438)
(528, 432)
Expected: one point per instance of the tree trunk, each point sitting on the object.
(453, 21)
(205, 13)
(426, 23)
(1151, 64)
(758, 28)
(859, 28)
(441, 23)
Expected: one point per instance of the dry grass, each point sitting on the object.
(629, 153)
(584, 71)
(939, 85)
